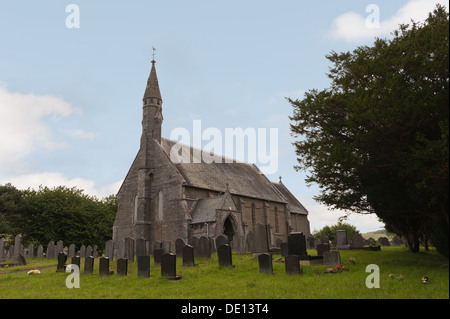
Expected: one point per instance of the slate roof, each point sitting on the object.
(205, 209)
(242, 178)
(293, 204)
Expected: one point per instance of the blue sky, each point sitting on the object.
(71, 98)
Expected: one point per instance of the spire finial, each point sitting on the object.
(153, 61)
(280, 179)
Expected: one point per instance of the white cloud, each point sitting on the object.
(81, 134)
(22, 124)
(55, 179)
(353, 26)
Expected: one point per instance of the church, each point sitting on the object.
(162, 200)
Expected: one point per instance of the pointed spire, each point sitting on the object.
(152, 89)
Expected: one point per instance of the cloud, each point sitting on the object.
(81, 134)
(55, 179)
(23, 126)
(353, 27)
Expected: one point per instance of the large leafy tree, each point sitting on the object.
(376, 141)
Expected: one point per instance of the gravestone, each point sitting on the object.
(89, 265)
(143, 264)
(21, 260)
(129, 249)
(383, 241)
(321, 248)
(292, 265)
(76, 261)
(109, 249)
(157, 254)
(221, 240)
(140, 247)
(120, 254)
(188, 256)
(265, 263)
(324, 239)
(169, 266)
(224, 255)
(167, 247)
(59, 247)
(17, 247)
(40, 252)
(71, 251)
(89, 251)
(204, 248)
(103, 267)
(95, 253)
(122, 267)
(341, 240)
(62, 258)
(331, 258)
(259, 239)
(2, 249)
(310, 243)
(82, 251)
(297, 244)
(179, 244)
(357, 241)
(284, 249)
(30, 254)
(194, 242)
(10, 254)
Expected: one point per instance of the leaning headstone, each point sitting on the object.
(341, 240)
(331, 258)
(122, 267)
(40, 252)
(103, 267)
(62, 258)
(188, 256)
(221, 240)
(224, 255)
(109, 249)
(204, 248)
(82, 251)
(265, 263)
(143, 265)
(140, 247)
(297, 244)
(89, 265)
(71, 251)
(129, 249)
(292, 265)
(169, 266)
(157, 253)
(321, 248)
(357, 241)
(179, 244)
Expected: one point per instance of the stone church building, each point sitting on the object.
(161, 200)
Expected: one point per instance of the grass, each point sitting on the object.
(209, 281)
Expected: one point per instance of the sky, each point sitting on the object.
(73, 74)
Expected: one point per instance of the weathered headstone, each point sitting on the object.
(167, 246)
(331, 258)
(95, 252)
(30, 254)
(324, 239)
(71, 251)
(82, 251)
(221, 240)
(10, 254)
(204, 248)
(62, 258)
(143, 265)
(321, 248)
(169, 266)
(122, 267)
(129, 249)
(265, 263)
(103, 267)
(224, 256)
(40, 252)
(259, 239)
(341, 240)
(109, 249)
(120, 254)
(76, 261)
(194, 242)
(357, 241)
(179, 244)
(188, 256)
(51, 250)
(17, 247)
(2, 249)
(140, 247)
(157, 253)
(297, 244)
(284, 249)
(59, 247)
(89, 265)
(310, 243)
(292, 265)
(89, 251)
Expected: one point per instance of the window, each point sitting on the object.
(253, 215)
(277, 222)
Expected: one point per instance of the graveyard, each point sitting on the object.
(236, 276)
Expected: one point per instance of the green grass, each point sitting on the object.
(209, 281)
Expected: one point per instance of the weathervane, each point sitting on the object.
(154, 53)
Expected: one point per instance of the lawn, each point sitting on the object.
(209, 281)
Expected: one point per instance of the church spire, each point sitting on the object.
(152, 89)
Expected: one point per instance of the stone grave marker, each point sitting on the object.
(76, 260)
(221, 240)
(95, 253)
(59, 246)
(89, 251)
(157, 254)
(21, 260)
(167, 246)
(357, 241)
(284, 249)
(297, 244)
(331, 258)
(143, 264)
(321, 248)
(17, 247)
(259, 239)
(204, 248)
(120, 254)
(40, 252)
(179, 244)
(2, 249)
(62, 258)
(169, 266)
(103, 267)
(310, 243)
(292, 265)
(89, 265)
(265, 263)
(71, 251)
(383, 241)
(30, 254)
(129, 249)
(140, 247)
(194, 242)
(109, 249)
(188, 256)
(341, 240)
(122, 267)
(224, 256)
(82, 251)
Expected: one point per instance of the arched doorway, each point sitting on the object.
(228, 229)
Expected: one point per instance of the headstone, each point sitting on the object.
(89, 251)
(284, 249)
(95, 252)
(221, 240)
(76, 261)
(169, 266)
(120, 254)
(40, 252)
(103, 267)
(341, 240)
(71, 251)
(21, 260)
(30, 254)
(17, 247)
(167, 246)
(331, 258)
(224, 255)
(59, 247)
(321, 248)
(129, 249)
(204, 248)
(179, 244)
(10, 254)
(357, 241)
(194, 242)
(89, 265)
(259, 238)
(310, 243)
(143, 265)
(82, 251)
(62, 258)
(383, 241)
(122, 267)
(109, 249)
(324, 239)
(140, 247)
(265, 263)
(297, 244)
(2, 249)
(188, 256)
(292, 265)
(157, 254)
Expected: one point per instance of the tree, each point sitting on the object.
(376, 141)
(10, 206)
(330, 231)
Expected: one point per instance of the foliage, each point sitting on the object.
(330, 231)
(377, 140)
